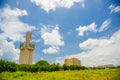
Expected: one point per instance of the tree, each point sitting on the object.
(54, 67)
(26, 67)
(118, 66)
(65, 67)
(7, 66)
(2, 64)
(73, 67)
(42, 63)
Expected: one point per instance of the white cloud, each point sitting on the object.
(52, 37)
(82, 29)
(7, 12)
(53, 4)
(100, 51)
(51, 50)
(8, 51)
(114, 8)
(104, 25)
(93, 43)
(11, 26)
(93, 27)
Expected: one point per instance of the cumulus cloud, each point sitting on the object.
(8, 50)
(114, 8)
(100, 51)
(93, 27)
(52, 37)
(93, 43)
(51, 50)
(11, 26)
(53, 4)
(82, 29)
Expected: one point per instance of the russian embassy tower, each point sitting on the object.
(27, 50)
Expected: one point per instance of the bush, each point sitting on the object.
(8, 66)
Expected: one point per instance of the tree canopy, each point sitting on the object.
(42, 63)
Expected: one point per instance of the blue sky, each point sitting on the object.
(85, 29)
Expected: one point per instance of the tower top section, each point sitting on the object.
(28, 37)
(27, 44)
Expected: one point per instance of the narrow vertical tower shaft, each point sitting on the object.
(28, 38)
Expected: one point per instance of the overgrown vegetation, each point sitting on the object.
(103, 74)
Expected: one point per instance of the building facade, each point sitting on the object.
(27, 50)
(72, 61)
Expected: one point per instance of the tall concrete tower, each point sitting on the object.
(27, 50)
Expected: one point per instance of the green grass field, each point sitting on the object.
(108, 74)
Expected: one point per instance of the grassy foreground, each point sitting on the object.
(109, 74)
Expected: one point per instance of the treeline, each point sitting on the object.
(40, 66)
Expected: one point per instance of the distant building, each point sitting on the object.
(72, 61)
(27, 50)
(106, 66)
